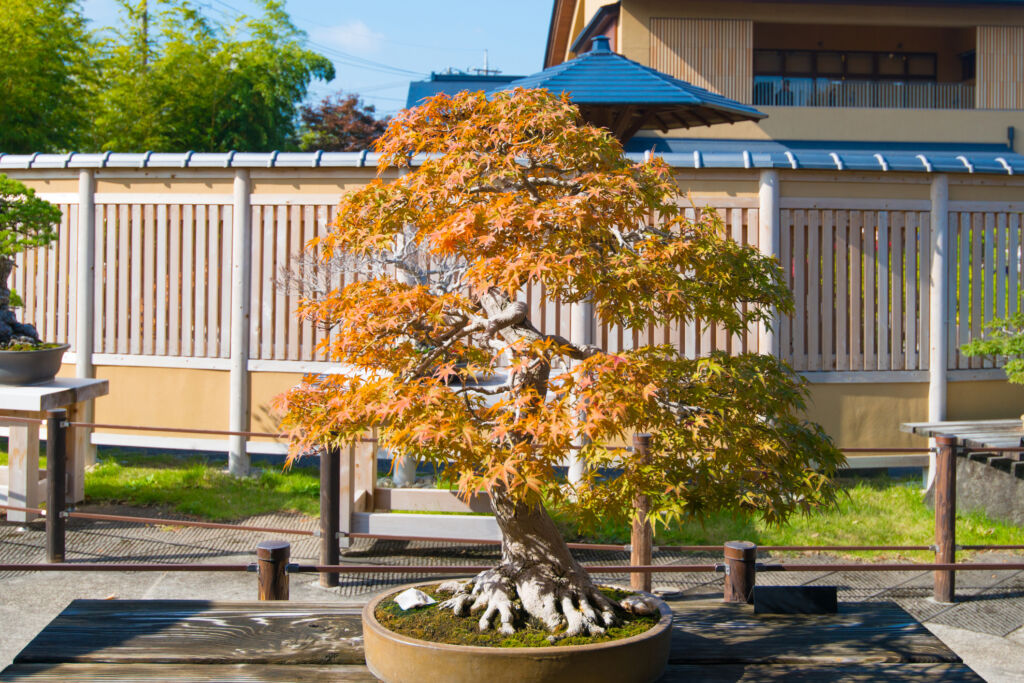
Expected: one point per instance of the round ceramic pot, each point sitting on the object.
(31, 367)
(395, 658)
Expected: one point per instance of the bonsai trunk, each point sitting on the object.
(6, 266)
(537, 577)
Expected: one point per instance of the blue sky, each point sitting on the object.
(378, 46)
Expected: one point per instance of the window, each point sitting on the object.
(892, 66)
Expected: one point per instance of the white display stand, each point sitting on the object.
(21, 482)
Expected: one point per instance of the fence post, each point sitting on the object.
(241, 282)
(641, 538)
(945, 516)
(271, 569)
(769, 238)
(56, 483)
(85, 311)
(330, 509)
(938, 306)
(346, 493)
(740, 571)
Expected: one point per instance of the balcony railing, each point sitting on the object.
(826, 92)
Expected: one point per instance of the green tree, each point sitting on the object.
(1004, 337)
(45, 72)
(179, 81)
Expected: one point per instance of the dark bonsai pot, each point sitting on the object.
(31, 367)
(395, 658)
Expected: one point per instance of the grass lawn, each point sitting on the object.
(872, 511)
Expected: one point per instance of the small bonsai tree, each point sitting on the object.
(26, 222)
(1004, 337)
(514, 190)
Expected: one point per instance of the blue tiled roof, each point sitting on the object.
(603, 77)
(451, 84)
(833, 155)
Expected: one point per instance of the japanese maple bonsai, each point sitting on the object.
(26, 222)
(514, 190)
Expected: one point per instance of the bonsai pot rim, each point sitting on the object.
(510, 656)
(26, 356)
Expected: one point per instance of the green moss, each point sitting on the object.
(441, 626)
(26, 346)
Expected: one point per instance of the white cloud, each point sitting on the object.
(353, 37)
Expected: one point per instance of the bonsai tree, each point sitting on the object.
(514, 190)
(1003, 337)
(26, 222)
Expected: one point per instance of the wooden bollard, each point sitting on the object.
(56, 483)
(330, 489)
(740, 571)
(641, 539)
(945, 517)
(272, 569)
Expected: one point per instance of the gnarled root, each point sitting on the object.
(512, 593)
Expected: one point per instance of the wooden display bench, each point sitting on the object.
(22, 483)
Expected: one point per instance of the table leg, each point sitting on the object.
(79, 447)
(23, 470)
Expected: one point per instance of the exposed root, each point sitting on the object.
(512, 595)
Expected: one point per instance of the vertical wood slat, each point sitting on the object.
(799, 261)
(174, 283)
(266, 287)
(786, 257)
(109, 282)
(224, 280)
(188, 278)
(716, 54)
(856, 335)
(161, 280)
(67, 220)
(913, 250)
(897, 323)
(1001, 268)
(842, 286)
(924, 220)
(952, 225)
(977, 279)
(964, 300)
(149, 279)
(736, 343)
(123, 262)
(52, 275)
(814, 312)
(305, 325)
(213, 279)
(255, 317)
(868, 329)
(882, 266)
(294, 244)
(200, 279)
(1013, 263)
(828, 307)
(988, 277)
(135, 295)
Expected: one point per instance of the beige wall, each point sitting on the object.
(862, 415)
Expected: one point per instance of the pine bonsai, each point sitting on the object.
(26, 222)
(513, 189)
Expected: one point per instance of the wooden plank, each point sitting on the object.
(912, 307)
(199, 632)
(214, 280)
(856, 335)
(306, 332)
(897, 324)
(267, 286)
(200, 673)
(882, 269)
(135, 297)
(785, 322)
(49, 331)
(842, 285)
(964, 300)
(199, 281)
(149, 280)
(814, 313)
(364, 475)
(977, 233)
(709, 631)
(224, 281)
(256, 259)
(1001, 238)
(820, 673)
(294, 247)
(1013, 263)
(174, 282)
(69, 218)
(161, 280)
(828, 299)
(869, 284)
(736, 342)
(123, 290)
(429, 500)
(110, 282)
(924, 287)
(753, 336)
(473, 527)
(188, 278)
(281, 302)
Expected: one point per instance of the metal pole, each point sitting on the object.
(740, 571)
(769, 238)
(56, 483)
(945, 517)
(938, 304)
(271, 569)
(330, 511)
(241, 269)
(580, 332)
(641, 539)
(85, 288)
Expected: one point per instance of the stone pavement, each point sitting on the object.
(986, 626)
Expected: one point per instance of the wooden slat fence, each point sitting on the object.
(859, 278)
